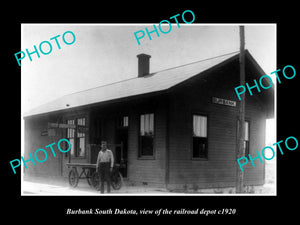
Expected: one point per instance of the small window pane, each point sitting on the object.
(72, 146)
(142, 125)
(246, 130)
(146, 122)
(80, 122)
(247, 136)
(247, 149)
(146, 138)
(199, 136)
(199, 147)
(125, 121)
(81, 145)
(70, 131)
(199, 126)
(146, 146)
(151, 124)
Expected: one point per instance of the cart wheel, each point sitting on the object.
(96, 180)
(117, 181)
(73, 177)
(90, 177)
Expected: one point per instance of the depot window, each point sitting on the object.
(146, 135)
(122, 122)
(77, 137)
(200, 148)
(247, 137)
(246, 142)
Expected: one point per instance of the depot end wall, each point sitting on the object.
(53, 166)
(33, 141)
(219, 169)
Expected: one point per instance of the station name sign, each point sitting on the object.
(51, 130)
(80, 128)
(222, 101)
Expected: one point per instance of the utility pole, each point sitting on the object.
(241, 124)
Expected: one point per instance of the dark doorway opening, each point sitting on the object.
(122, 149)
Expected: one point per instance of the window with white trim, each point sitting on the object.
(200, 148)
(146, 135)
(76, 137)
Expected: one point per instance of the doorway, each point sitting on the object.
(121, 149)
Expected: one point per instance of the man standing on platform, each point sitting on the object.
(105, 163)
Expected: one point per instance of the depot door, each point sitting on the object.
(121, 151)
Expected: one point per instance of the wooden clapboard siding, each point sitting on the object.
(33, 141)
(147, 170)
(257, 141)
(219, 169)
(53, 166)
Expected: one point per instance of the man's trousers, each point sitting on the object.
(105, 175)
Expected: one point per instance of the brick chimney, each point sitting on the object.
(143, 64)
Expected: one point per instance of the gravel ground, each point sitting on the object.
(42, 186)
(270, 178)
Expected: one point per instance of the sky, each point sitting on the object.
(105, 53)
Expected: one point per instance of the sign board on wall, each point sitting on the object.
(222, 101)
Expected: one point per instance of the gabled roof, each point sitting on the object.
(158, 81)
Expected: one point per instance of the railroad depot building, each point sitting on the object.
(175, 128)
